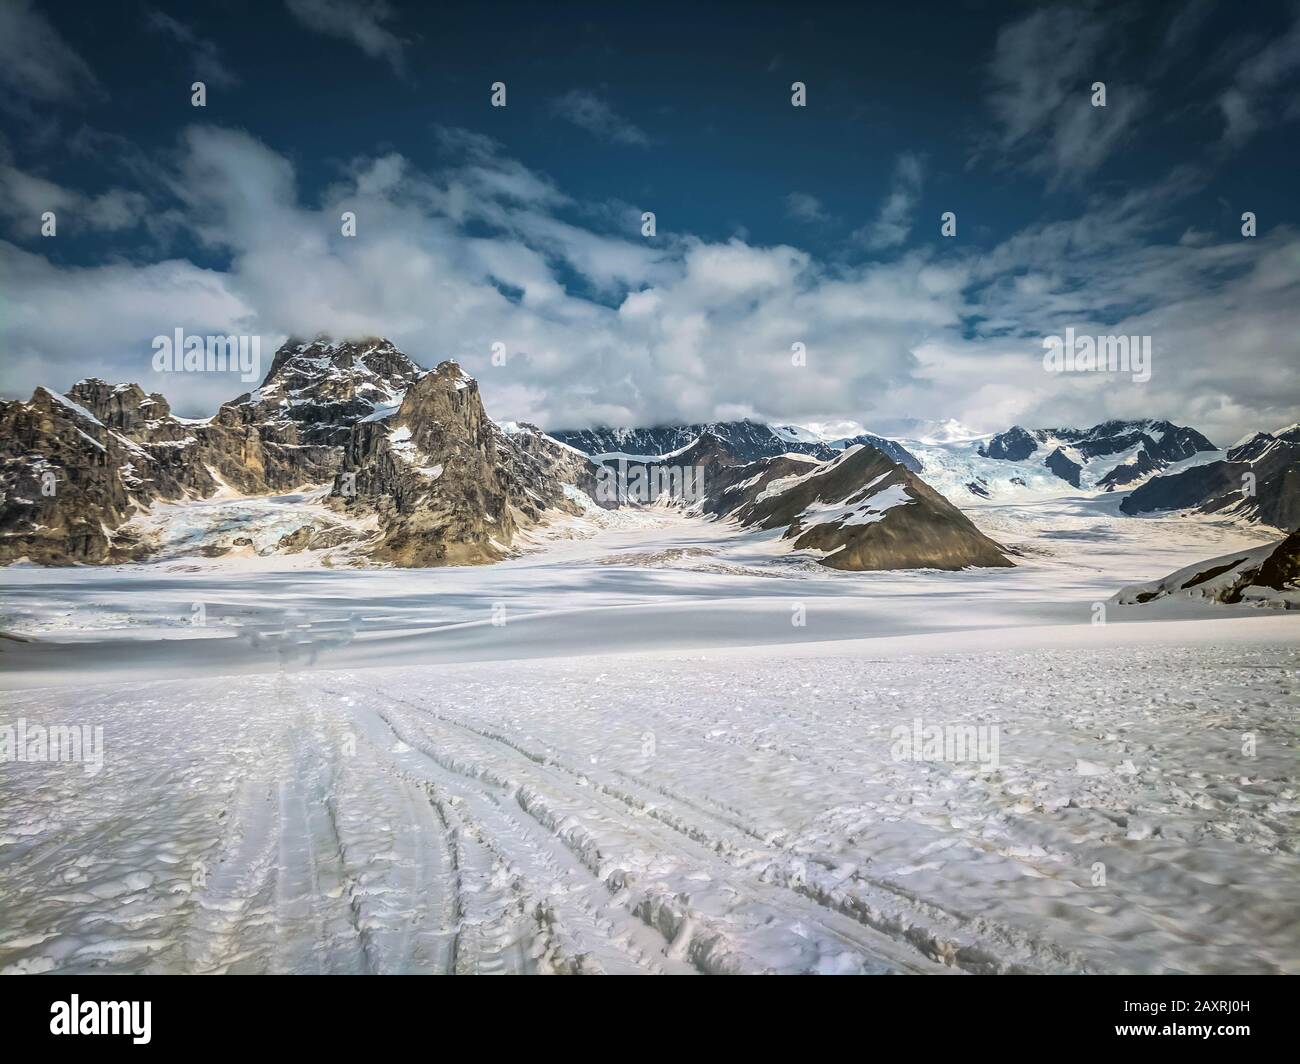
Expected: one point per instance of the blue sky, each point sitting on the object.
(776, 224)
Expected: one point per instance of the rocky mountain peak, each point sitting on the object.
(125, 407)
(1014, 445)
(322, 386)
(441, 405)
(304, 363)
(746, 440)
(861, 510)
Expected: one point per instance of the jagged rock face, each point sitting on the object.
(291, 430)
(865, 511)
(1281, 569)
(322, 387)
(448, 486)
(257, 457)
(124, 407)
(69, 480)
(1162, 444)
(681, 477)
(1155, 445)
(1223, 488)
(1262, 576)
(112, 450)
(746, 440)
(251, 446)
(1161, 439)
(539, 466)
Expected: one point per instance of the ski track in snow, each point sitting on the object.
(439, 794)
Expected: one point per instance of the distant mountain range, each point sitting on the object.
(1021, 462)
(1135, 449)
(747, 440)
(408, 469)
(1258, 479)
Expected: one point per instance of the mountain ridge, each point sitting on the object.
(368, 424)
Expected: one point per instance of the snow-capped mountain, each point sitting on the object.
(747, 440)
(956, 460)
(1023, 463)
(324, 386)
(857, 510)
(70, 474)
(1257, 479)
(406, 467)
(1111, 455)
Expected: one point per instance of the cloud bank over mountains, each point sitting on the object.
(224, 232)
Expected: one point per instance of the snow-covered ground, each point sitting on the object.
(653, 743)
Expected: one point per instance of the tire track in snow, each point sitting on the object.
(232, 901)
(571, 924)
(884, 915)
(315, 927)
(941, 934)
(824, 935)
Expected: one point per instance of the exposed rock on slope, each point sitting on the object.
(1138, 449)
(75, 470)
(678, 477)
(862, 509)
(1273, 459)
(535, 461)
(67, 481)
(449, 487)
(1064, 467)
(322, 387)
(290, 431)
(1263, 576)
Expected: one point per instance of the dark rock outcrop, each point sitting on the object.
(1064, 467)
(1014, 445)
(75, 468)
(1261, 576)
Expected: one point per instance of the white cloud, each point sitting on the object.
(1042, 71)
(36, 62)
(598, 118)
(360, 21)
(805, 208)
(894, 222)
(25, 197)
(1249, 104)
(204, 56)
(603, 326)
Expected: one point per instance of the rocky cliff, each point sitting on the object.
(448, 486)
(75, 469)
